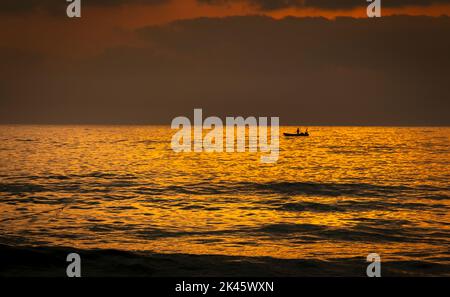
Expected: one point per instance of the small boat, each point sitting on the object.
(296, 134)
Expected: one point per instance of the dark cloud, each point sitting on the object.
(19, 6)
(322, 4)
(387, 71)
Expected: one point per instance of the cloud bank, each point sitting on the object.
(322, 4)
(387, 71)
(15, 6)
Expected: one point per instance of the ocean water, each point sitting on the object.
(342, 193)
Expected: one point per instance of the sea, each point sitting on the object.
(340, 194)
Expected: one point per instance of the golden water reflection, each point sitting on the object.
(343, 192)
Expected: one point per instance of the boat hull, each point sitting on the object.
(296, 135)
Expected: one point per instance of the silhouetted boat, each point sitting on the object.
(296, 134)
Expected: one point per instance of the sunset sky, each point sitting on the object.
(147, 61)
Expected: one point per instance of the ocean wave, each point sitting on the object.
(367, 231)
(107, 182)
(337, 189)
(379, 231)
(311, 189)
(353, 205)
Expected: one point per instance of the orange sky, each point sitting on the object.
(104, 27)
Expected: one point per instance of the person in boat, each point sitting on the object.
(298, 131)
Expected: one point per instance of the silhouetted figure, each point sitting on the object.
(298, 134)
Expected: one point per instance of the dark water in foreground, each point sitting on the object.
(331, 198)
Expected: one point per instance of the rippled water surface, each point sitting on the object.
(341, 193)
